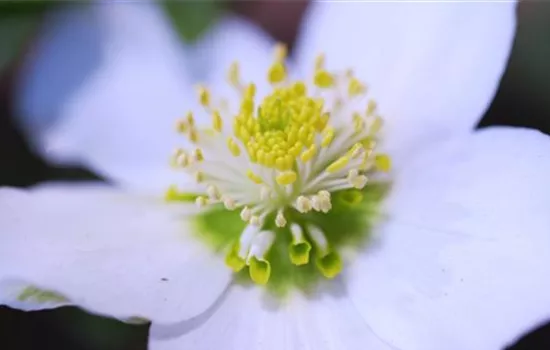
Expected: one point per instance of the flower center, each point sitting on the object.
(281, 165)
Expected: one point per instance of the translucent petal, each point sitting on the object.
(432, 67)
(246, 318)
(106, 251)
(463, 259)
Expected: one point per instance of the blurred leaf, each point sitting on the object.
(17, 22)
(192, 18)
(94, 332)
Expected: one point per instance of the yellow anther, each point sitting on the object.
(197, 155)
(299, 88)
(371, 108)
(280, 219)
(338, 164)
(201, 201)
(246, 214)
(356, 150)
(199, 176)
(190, 119)
(250, 91)
(204, 96)
(322, 122)
(181, 126)
(255, 178)
(355, 87)
(323, 79)
(328, 137)
(286, 178)
(319, 62)
(233, 147)
(217, 122)
(247, 106)
(280, 52)
(229, 203)
(369, 143)
(382, 162)
(358, 123)
(277, 73)
(193, 136)
(234, 74)
(376, 125)
(309, 153)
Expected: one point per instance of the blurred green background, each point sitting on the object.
(522, 100)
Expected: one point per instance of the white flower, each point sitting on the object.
(458, 263)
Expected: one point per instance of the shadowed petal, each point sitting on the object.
(248, 319)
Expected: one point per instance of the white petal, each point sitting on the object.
(247, 318)
(464, 258)
(106, 251)
(119, 117)
(235, 39)
(432, 67)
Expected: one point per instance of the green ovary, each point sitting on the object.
(290, 262)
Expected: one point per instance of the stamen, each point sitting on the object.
(255, 220)
(328, 262)
(229, 203)
(299, 248)
(280, 219)
(338, 164)
(303, 204)
(260, 268)
(324, 79)
(246, 214)
(217, 121)
(201, 201)
(283, 153)
(371, 108)
(181, 126)
(286, 178)
(233, 75)
(204, 97)
(382, 162)
(213, 192)
(233, 147)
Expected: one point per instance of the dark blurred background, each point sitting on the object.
(522, 100)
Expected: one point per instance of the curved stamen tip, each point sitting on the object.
(330, 265)
(299, 253)
(259, 270)
(233, 260)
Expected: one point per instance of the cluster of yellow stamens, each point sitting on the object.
(282, 154)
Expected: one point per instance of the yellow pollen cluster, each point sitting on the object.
(288, 150)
